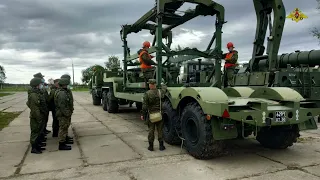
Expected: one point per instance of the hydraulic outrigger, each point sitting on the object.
(204, 113)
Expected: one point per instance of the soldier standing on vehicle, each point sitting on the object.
(36, 103)
(146, 62)
(55, 122)
(66, 76)
(152, 104)
(46, 95)
(64, 108)
(231, 59)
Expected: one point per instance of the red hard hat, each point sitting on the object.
(229, 45)
(146, 44)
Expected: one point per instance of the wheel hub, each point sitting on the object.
(192, 131)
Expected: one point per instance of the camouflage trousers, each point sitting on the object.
(36, 128)
(64, 123)
(152, 128)
(229, 75)
(147, 74)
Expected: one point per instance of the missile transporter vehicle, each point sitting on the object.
(199, 112)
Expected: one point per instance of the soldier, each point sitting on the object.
(55, 122)
(146, 62)
(46, 95)
(151, 104)
(231, 59)
(68, 138)
(36, 103)
(64, 108)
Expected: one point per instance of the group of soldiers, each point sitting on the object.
(153, 98)
(60, 102)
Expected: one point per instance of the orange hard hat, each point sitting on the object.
(146, 44)
(230, 45)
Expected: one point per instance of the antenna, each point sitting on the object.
(72, 72)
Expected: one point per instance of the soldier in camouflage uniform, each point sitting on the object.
(36, 103)
(151, 104)
(46, 95)
(55, 122)
(64, 109)
(146, 62)
(68, 138)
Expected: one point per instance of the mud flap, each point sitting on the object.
(223, 129)
(308, 125)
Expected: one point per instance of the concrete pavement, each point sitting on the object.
(114, 146)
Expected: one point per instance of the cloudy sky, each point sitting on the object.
(45, 36)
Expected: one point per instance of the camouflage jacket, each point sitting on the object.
(63, 102)
(71, 97)
(37, 104)
(151, 101)
(46, 96)
(51, 98)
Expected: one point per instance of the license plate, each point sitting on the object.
(280, 116)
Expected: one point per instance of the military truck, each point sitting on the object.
(204, 113)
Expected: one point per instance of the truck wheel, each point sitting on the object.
(95, 100)
(170, 118)
(112, 104)
(278, 137)
(104, 101)
(138, 105)
(197, 132)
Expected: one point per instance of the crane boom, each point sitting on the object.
(263, 9)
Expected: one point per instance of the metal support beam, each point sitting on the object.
(160, 11)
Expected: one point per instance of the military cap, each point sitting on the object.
(56, 80)
(38, 75)
(152, 81)
(66, 76)
(64, 81)
(35, 81)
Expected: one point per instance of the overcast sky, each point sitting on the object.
(45, 36)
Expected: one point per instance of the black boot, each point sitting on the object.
(55, 134)
(161, 146)
(40, 148)
(35, 150)
(150, 148)
(69, 140)
(63, 146)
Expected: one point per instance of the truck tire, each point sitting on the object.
(95, 100)
(112, 104)
(104, 101)
(197, 132)
(170, 118)
(280, 137)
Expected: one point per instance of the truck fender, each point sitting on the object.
(277, 93)
(206, 97)
(238, 91)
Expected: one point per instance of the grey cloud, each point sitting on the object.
(88, 32)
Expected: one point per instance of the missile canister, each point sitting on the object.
(311, 58)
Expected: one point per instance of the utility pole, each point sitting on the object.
(72, 73)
